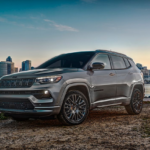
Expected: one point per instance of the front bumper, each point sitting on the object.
(44, 107)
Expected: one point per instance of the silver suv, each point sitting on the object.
(69, 85)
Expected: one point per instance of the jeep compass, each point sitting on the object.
(69, 85)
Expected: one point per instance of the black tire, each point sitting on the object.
(136, 103)
(20, 119)
(77, 106)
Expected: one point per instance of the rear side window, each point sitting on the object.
(103, 58)
(127, 62)
(118, 62)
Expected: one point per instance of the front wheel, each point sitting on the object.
(75, 108)
(136, 103)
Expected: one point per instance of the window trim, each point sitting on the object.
(85, 67)
(123, 60)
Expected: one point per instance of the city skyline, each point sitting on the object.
(38, 31)
(8, 66)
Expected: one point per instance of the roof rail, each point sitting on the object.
(110, 51)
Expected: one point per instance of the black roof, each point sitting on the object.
(112, 52)
(106, 52)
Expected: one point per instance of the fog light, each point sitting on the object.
(45, 92)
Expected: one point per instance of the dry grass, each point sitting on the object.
(107, 128)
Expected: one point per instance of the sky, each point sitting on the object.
(37, 30)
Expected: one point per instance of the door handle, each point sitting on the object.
(111, 74)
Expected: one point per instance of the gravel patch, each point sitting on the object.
(105, 128)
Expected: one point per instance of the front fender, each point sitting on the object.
(72, 83)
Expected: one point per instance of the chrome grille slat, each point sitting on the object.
(16, 83)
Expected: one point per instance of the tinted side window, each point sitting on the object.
(118, 62)
(56, 64)
(70, 60)
(127, 62)
(103, 58)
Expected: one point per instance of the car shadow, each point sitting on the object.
(94, 116)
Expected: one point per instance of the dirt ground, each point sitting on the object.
(105, 128)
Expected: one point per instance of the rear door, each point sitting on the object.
(103, 80)
(123, 71)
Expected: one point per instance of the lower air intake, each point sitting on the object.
(20, 104)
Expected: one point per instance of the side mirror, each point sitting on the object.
(98, 65)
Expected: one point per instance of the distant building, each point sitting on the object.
(26, 65)
(20, 70)
(3, 69)
(144, 67)
(10, 67)
(139, 65)
(32, 68)
(16, 69)
(144, 70)
(9, 59)
(23, 66)
(7, 67)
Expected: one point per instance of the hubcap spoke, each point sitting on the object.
(137, 101)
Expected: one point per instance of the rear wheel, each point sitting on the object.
(136, 103)
(75, 108)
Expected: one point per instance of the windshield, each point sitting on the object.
(72, 60)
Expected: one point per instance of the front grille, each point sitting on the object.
(21, 104)
(16, 83)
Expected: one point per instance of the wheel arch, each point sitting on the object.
(139, 86)
(82, 87)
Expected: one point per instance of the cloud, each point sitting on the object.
(13, 20)
(61, 27)
(89, 1)
(47, 20)
(30, 26)
(65, 28)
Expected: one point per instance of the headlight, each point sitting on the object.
(48, 79)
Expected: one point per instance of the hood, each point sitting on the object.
(40, 72)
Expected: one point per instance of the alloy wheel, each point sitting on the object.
(137, 101)
(75, 108)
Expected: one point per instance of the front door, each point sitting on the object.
(103, 80)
